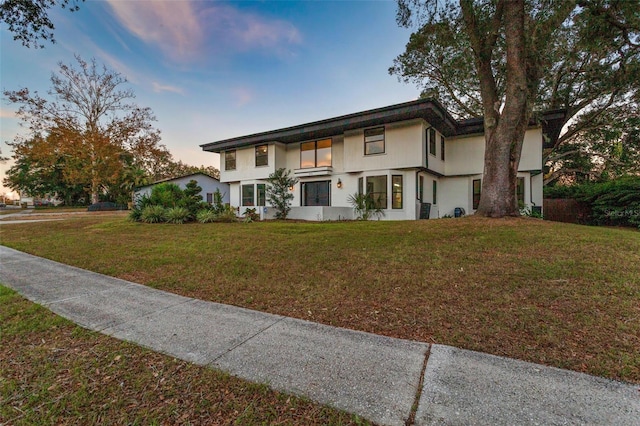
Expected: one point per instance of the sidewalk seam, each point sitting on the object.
(237, 345)
(416, 402)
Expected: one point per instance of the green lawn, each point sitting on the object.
(557, 294)
(53, 372)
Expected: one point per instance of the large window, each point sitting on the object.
(442, 148)
(396, 194)
(230, 160)
(520, 192)
(432, 141)
(262, 155)
(262, 194)
(476, 192)
(315, 154)
(247, 195)
(374, 141)
(316, 193)
(377, 188)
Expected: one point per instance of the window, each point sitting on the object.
(396, 191)
(520, 192)
(315, 154)
(262, 155)
(476, 193)
(435, 192)
(230, 160)
(262, 194)
(442, 148)
(247, 195)
(374, 141)
(421, 189)
(432, 141)
(360, 185)
(209, 197)
(316, 193)
(377, 188)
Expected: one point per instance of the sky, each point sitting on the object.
(212, 70)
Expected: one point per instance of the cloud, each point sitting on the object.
(186, 30)
(241, 96)
(6, 113)
(159, 88)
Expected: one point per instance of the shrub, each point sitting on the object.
(278, 192)
(228, 215)
(251, 215)
(364, 206)
(177, 215)
(166, 194)
(153, 214)
(135, 215)
(206, 216)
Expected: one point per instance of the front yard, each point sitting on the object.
(557, 294)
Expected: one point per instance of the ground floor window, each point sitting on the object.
(209, 197)
(316, 193)
(396, 184)
(247, 195)
(476, 193)
(520, 192)
(435, 192)
(262, 194)
(377, 188)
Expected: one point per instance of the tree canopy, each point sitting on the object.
(29, 20)
(86, 133)
(580, 56)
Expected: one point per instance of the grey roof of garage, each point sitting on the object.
(428, 109)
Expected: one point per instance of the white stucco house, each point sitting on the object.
(207, 183)
(414, 158)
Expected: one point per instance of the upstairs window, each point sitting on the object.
(262, 155)
(315, 154)
(477, 187)
(230, 160)
(432, 141)
(374, 141)
(442, 148)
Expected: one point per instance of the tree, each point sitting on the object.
(278, 193)
(504, 58)
(29, 20)
(90, 123)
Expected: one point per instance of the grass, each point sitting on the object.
(53, 372)
(556, 294)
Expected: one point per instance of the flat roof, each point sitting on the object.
(428, 109)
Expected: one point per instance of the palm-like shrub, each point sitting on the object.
(177, 215)
(153, 214)
(206, 216)
(365, 206)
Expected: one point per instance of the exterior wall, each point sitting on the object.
(531, 158)
(246, 164)
(402, 148)
(208, 185)
(457, 192)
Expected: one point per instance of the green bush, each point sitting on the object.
(206, 216)
(153, 214)
(177, 215)
(166, 194)
(364, 206)
(227, 215)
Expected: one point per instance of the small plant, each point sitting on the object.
(364, 206)
(228, 215)
(206, 216)
(153, 214)
(278, 192)
(217, 205)
(251, 215)
(177, 215)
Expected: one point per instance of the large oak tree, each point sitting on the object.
(503, 59)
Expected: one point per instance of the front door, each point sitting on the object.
(316, 193)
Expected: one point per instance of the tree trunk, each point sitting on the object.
(504, 146)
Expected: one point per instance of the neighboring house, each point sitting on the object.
(206, 182)
(414, 158)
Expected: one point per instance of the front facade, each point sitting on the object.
(413, 158)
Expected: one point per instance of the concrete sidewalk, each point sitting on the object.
(375, 377)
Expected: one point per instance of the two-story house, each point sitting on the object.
(414, 158)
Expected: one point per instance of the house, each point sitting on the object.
(414, 158)
(206, 182)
